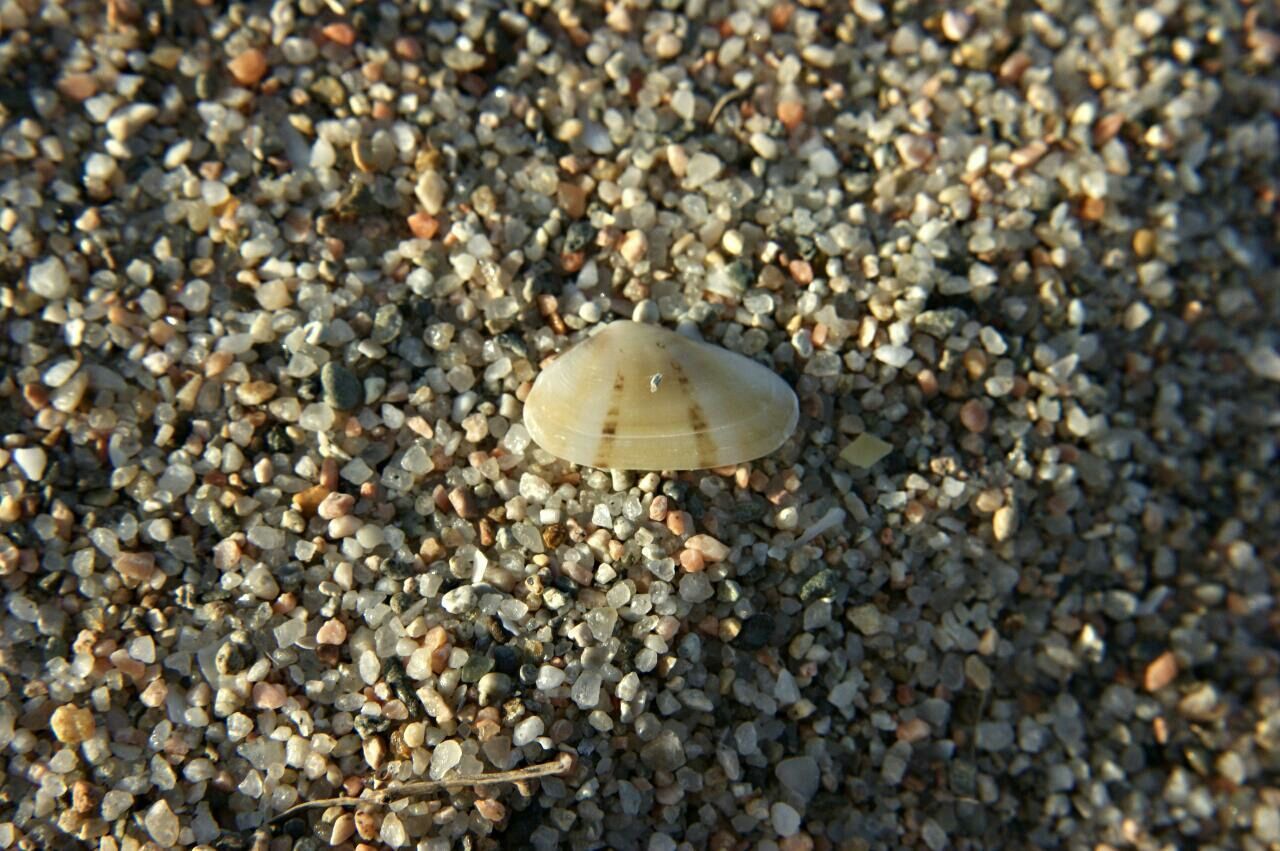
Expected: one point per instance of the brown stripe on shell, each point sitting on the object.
(609, 428)
(697, 420)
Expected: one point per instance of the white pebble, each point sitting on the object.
(49, 278)
(32, 461)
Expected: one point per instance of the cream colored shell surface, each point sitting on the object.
(641, 397)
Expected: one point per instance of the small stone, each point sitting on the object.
(268, 695)
(332, 631)
(135, 567)
(162, 824)
(49, 279)
(273, 295)
(711, 549)
(994, 735)
(255, 392)
(115, 803)
(72, 724)
(335, 505)
(914, 150)
(527, 730)
(32, 461)
(1144, 243)
(424, 225)
(493, 688)
(894, 356)
(956, 24)
(867, 619)
(1004, 522)
(249, 67)
(340, 33)
(1201, 703)
(463, 502)
(973, 416)
(393, 833)
(866, 451)
(634, 247)
(702, 168)
(83, 797)
(664, 753)
(342, 390)
(785, 819)
(756, 632)
(1264, 362)
(799, 775)
(344, 827)
(790, 113)
(1160, 672)
(491, 809)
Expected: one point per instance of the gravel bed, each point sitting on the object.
(276, 277)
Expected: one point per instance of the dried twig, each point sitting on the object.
(726, 99)
(379, 797)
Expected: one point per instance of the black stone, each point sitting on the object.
(756, 632)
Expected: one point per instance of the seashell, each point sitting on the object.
(641, 397)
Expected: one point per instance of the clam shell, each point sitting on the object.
(641, 397)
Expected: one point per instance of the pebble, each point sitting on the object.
(784, 818)
(342, 390)
(799, 776)
(1004, 522)
(332, 631)
(994, 735)
(49, 279)
(866, 451)
(72, 724)
(32, 461)
(974, 417)
(867, 619)
(161, 822)
(1162, 671)
(249, 67)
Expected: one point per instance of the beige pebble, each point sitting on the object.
(491, 809)
(658, 508)
(268, 695)
(344, 827)
(913, 730)
(273, 295)
(914, 150)
(791, 113)
(956, 24)
(634, 247)
(677, 159)
(83, 797)
(71, 724)
(154, 694)
(710, 549)
(1004, 522)
(366, 824)
(989, 500)
(463, 502)
(332, 631)
(255, 392)
(335, 505)
(692, 561)
(344, 527)
(249, 67)
(1160, 672)
(135, 567)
